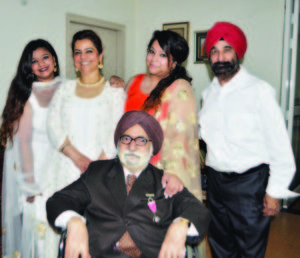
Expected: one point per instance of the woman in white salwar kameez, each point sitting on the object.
(28, 151)
(82, 118)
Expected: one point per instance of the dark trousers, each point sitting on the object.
(238, 227)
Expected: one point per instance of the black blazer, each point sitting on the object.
(100, 195)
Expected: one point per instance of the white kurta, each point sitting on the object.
(24, 223)
(89, 124)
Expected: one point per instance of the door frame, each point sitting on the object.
(289, 63)
(119, 28)
(289, 69)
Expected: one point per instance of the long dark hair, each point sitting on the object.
(20, 89)
(176, 47)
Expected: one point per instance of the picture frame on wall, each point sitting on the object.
(200, 53)
(182, 28)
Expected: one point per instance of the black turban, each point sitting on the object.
(147, 122)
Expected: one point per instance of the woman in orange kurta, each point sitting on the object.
(166, 93)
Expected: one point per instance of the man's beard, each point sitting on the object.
(135, 161)
(225, 70)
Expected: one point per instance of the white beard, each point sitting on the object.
(135, 161)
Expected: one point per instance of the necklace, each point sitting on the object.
(90, 85)
(44, 85)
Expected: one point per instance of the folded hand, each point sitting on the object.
(271, 206)
(172, 184)
(174, 242)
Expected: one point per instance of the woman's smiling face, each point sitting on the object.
(86, 56)
(42, 64)
(158, 62)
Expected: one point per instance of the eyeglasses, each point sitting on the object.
(139, 141)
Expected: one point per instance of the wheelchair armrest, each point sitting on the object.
(192, 246)
(192, 251)
(62, 244)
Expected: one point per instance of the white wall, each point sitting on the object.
(47, 19)
(261, 20)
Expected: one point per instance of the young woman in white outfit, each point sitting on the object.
(23, 132)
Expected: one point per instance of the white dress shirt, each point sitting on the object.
(243, 127)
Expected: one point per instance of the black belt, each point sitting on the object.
(248, 172)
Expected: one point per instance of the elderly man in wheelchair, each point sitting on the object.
(117, 208)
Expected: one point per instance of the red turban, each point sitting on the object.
(230, 33)
(147, 122)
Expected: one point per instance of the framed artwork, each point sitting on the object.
(182, 28)
(200, 53)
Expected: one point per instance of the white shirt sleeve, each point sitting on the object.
(202, 103)
(63, 219)
(192, 231)
(282, 163)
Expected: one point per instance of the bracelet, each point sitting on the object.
(62, 149)
(183, 220)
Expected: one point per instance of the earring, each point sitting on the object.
(55, 68)
(100, 65)
(76, 69)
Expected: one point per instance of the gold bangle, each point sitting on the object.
(62, 149)
(186, 221)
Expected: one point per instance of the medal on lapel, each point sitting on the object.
(152, 207)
